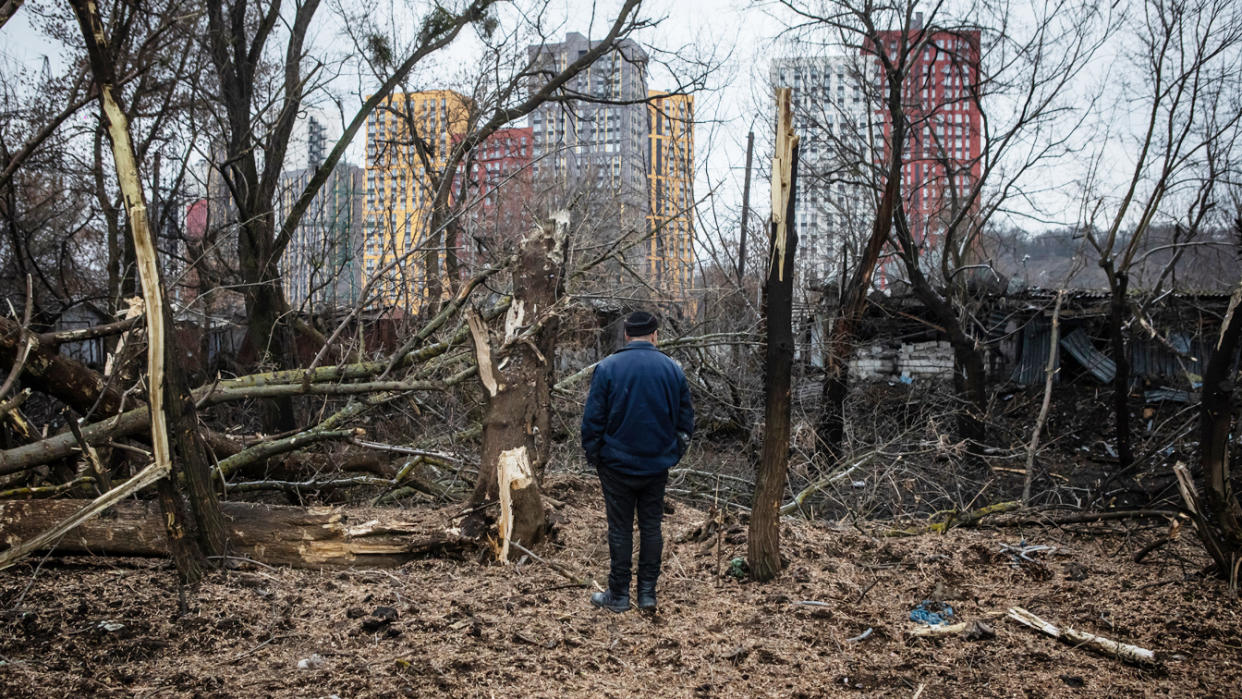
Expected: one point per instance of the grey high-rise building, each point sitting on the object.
(322, 265)
(592, 149)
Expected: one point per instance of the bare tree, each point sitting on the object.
(1184, 54)
(933, 204)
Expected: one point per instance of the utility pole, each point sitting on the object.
(741, 254)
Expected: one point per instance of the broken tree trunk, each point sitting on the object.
(1219, 525)
(276, 535)
(185, 441)
(763, 543)
(517, 380)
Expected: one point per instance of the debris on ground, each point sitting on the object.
(461, 621)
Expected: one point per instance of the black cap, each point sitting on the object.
(640, 324)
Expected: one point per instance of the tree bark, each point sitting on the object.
(69, 381)
(763, 542)
(517, 422)
(291, 536)
(969, 372)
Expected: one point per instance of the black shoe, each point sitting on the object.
(610, 601)
(646, 598)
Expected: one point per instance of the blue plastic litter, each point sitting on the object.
(931, 613)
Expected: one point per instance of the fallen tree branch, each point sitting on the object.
(397, 449)
(1121, 651)
(14, 402)
(580, 581)
(956, 519)
(60, 337)
(45, 489)
(926, 631)
(796, 504)
(312, 484)
(264, 450)
(1081, 518)
(133, 421)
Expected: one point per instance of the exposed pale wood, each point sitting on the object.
(926, 631)
(276, 535)
(1122, 651)
(517, 377)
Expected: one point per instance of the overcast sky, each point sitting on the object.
(740, 36)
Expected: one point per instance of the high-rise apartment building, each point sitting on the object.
(845, 130)
(832, 117)
(492, 192)
(942, 149)
(602, 149)
(408, 140)
(321, 266)
(670, 188)
(595, 145)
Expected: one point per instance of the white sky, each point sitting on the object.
(740, 35)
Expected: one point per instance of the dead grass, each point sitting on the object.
(467, 629)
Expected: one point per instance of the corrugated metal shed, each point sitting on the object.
(1034, 359)
(1078, 344)
(1152, 359)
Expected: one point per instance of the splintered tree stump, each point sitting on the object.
(277, 535)
(517, 377)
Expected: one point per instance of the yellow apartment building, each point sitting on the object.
(670, 182)
(399, 192)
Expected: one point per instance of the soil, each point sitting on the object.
(117, 627)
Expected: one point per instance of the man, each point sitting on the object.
(635, 427)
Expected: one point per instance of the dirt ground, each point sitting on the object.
(115, 627)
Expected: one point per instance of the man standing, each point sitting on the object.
(635, 427)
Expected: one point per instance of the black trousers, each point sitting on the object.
(623, 496)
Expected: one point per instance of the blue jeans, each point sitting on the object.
(623, 496)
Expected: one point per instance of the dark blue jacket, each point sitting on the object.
(639, 402)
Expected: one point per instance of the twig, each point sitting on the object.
(26, 339)
(1050, 372)
(1157, 544)
(866, 589)
(397, 449)
(564, 571)
(252, 651)
(860, 637)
